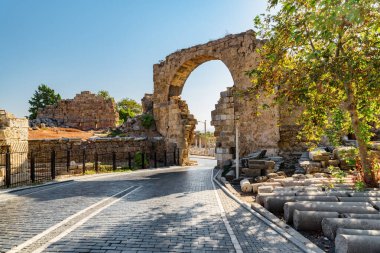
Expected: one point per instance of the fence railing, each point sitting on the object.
(18, 168)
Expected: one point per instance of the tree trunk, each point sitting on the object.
(368, 174)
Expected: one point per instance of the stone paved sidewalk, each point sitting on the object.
(174, 210)
(253, 235)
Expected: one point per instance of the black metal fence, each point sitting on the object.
(18, 168)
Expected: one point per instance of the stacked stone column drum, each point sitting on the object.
(86, 111)
(14, 136)
(307, 202)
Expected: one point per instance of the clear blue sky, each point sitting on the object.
(75, 45)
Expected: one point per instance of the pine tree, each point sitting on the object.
(42, 97)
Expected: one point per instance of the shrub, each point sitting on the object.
(139, 159)
(338, 174)
(147, 120)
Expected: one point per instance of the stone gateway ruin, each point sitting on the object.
(259, 128)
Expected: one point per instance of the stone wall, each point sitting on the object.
(86, 111)
(182, 125)
(104, 147)
(99, 145)
(223, 119)
(14, 136)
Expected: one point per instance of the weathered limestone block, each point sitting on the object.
(272, 175)
(330, 225)
(245, 185)
(260, 198)
(375, 194)
(14, 136)
(275, 204)
(357, 243)
(255, 186)
(319, 155)
(334, 163)
(350, 231)
(357, 199)
(375, 203)
(340, 207)
(311, 167)
(265, 189)
(251, 172)
(311, 220)
(375, 216)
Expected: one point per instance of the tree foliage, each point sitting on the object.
(105, 94)
(42, 97)
(128, 108)
(324, 56)
(147, 120)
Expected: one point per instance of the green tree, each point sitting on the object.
(42, 97)
(323, 56)
(128, 108)
(105, 94)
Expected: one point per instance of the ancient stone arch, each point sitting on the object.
(173, 118)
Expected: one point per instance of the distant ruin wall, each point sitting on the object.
(86, 111)
(14, 138)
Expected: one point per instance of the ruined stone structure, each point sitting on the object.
(86, 111)
(259, 128)
(223, 120)
(14, 137)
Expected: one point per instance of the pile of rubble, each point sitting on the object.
(133, 127)
(322, 159)
(44, 122)
(257, 166)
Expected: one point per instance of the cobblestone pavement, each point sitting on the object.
(174, 210)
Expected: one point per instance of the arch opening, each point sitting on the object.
(201, 112)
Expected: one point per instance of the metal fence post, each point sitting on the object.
(84, 161)
(8, 179)
(52, 164)
(114, 160)
(96, 162)
(174, 159)
(129, 161)
(155, 159)
(178, 157)
(32, 168)
(68, 160)
(165, 159)
(143, 160)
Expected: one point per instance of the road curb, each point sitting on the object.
(22, 188)
(84, 177)
(268, 218)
